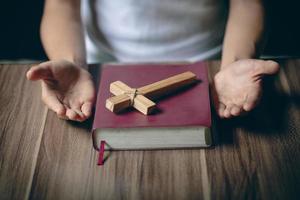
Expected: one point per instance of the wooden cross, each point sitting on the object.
(139, 98)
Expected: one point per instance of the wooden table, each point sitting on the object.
(255, 157)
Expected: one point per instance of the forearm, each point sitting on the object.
(244, 31)
(62, 32)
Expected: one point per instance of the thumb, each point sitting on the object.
(41, 71)
(267, 67)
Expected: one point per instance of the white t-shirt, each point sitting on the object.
(153, 30)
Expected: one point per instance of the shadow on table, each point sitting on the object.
(270, 118)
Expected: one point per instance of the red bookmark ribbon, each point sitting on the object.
(101, 153)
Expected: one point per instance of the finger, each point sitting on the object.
(72, 115)
(266, 67)
(227, 112)
(41, 71)
(248, 106)
(235, 110)
(251, 101)
(76, 107)
(221, 109)
(79, 113)
(63, 117)
(86, 108)
(54, 104)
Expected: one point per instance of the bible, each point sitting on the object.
(181, 118)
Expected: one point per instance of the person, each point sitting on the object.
(76, 32)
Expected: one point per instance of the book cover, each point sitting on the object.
(190, 107)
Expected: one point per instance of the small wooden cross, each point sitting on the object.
(139, 98)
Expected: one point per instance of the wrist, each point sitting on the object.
(237, 57)
(80, 63)
(240, 54)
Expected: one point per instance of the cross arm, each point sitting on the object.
(123, 100)
(139, 98)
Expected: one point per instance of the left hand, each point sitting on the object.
(238, 86)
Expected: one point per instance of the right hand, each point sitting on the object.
(67, 89)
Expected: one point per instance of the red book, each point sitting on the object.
(182, 119)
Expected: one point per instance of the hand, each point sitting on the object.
(237, 88)
(67, 89)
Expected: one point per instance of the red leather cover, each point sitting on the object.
(190, 107)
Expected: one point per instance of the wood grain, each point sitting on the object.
(64, 161)
(22, 118)
(141, 103)
(153, 91)
(67, 169)
(256, 156)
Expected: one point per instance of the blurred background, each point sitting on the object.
(20, 21)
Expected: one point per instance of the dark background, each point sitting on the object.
(20, 20)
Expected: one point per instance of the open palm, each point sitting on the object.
(237, 87)
(67, 89)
